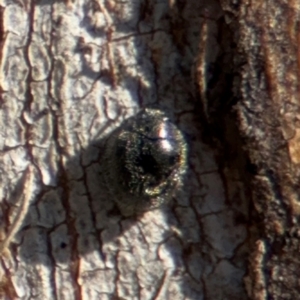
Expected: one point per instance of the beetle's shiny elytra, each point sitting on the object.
(145, 162)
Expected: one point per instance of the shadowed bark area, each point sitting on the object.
(225, 74)
(266, 92)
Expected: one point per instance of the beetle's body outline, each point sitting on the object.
(145, 161)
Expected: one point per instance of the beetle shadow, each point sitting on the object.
(72, 217)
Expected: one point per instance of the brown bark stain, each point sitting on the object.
(269, 110)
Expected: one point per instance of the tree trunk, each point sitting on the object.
(72, 72)
(266, 90)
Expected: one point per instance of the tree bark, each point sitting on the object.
(72, 72)
(266, 92)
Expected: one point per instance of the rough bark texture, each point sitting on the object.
(72, 71)
(266, 92)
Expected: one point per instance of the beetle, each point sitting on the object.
(145, 162)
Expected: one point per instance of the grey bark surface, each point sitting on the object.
(71, 72)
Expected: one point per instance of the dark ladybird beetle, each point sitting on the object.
(145, 162)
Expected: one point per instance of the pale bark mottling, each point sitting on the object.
(71, 72)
